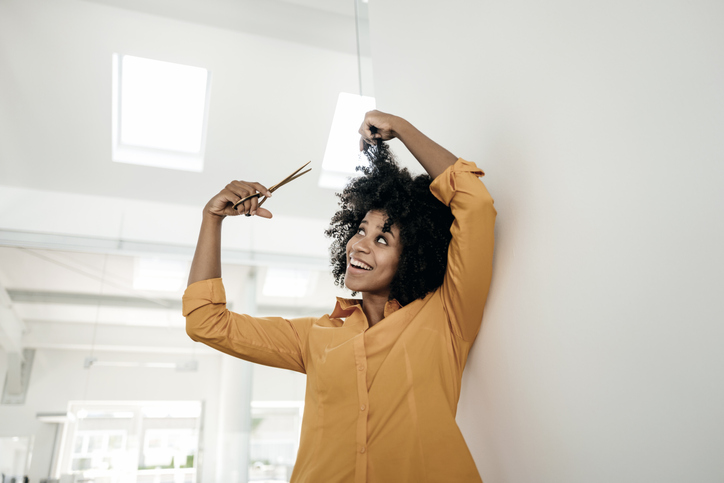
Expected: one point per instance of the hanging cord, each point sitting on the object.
(95, 326)
(359, 52)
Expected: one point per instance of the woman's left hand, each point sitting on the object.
(377, 125)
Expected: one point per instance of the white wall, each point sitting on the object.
(599, 125)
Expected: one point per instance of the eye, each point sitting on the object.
(360, 231)
(382, 240)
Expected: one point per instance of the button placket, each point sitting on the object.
(362, 449)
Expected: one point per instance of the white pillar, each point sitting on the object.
(235, 408)
(234, 421)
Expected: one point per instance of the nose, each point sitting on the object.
(361, 245)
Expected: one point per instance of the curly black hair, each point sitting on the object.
(423, 221)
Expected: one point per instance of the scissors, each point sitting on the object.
(296, 174)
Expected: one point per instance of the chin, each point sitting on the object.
(355, 287)
(351, 286)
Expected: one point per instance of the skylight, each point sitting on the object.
(159, 113)
(342, 154)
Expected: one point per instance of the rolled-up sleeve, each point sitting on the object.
(470, 255)
(272, 341)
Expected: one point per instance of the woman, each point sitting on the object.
(383, 372)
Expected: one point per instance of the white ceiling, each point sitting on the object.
(277, 68)
(271, 106)
(341, 7)
(324, 23)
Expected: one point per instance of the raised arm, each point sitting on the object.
(207, 257)
(379, 125)
(456, 184)
(272, 341)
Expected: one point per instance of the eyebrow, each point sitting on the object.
(380, 227)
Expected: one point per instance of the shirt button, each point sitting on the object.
(362, 407)
(362, 450)
(360, 368)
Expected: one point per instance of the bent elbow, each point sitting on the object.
(192, 327)
(201, 322)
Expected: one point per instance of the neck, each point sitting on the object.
(373, 305)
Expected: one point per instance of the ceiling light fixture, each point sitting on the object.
(183, 366)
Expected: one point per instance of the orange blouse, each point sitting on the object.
(380, 401)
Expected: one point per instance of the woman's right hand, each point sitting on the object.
(222, 204)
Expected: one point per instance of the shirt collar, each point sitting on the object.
(346, 307)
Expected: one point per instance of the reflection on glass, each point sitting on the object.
(275, 433)
(93, 450)
(115, 441)
(95, 442)
(78, 444)
(119, 442)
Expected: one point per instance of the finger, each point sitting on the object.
(243, 189)
(224, 204)
(261, 188)
(366, 135)
(244, 208)
(228, 207)
(236, 193)
(253, 205)
(239, 206)
(264, 213)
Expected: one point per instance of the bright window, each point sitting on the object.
(131, 442)
(274, 440)
(342, 154)
(98, 450)
(159, 113)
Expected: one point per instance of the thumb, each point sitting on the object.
(264, 213)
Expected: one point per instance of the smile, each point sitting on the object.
(359, 264)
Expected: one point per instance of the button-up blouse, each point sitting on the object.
(380, 401)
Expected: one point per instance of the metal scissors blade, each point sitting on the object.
(296, 174)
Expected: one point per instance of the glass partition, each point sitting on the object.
(132, 442)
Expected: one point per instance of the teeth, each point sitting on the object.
(358, 264)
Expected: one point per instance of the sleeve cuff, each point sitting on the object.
(444, 186)
(202, 293)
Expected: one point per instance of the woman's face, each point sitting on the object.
(373, 255)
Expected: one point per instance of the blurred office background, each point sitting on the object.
(599, 125)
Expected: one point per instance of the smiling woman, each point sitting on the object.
(383, 372)
(407, 214)
(372, 256)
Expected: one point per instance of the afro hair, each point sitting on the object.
(423, 221)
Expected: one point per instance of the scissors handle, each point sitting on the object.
(255, 195)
